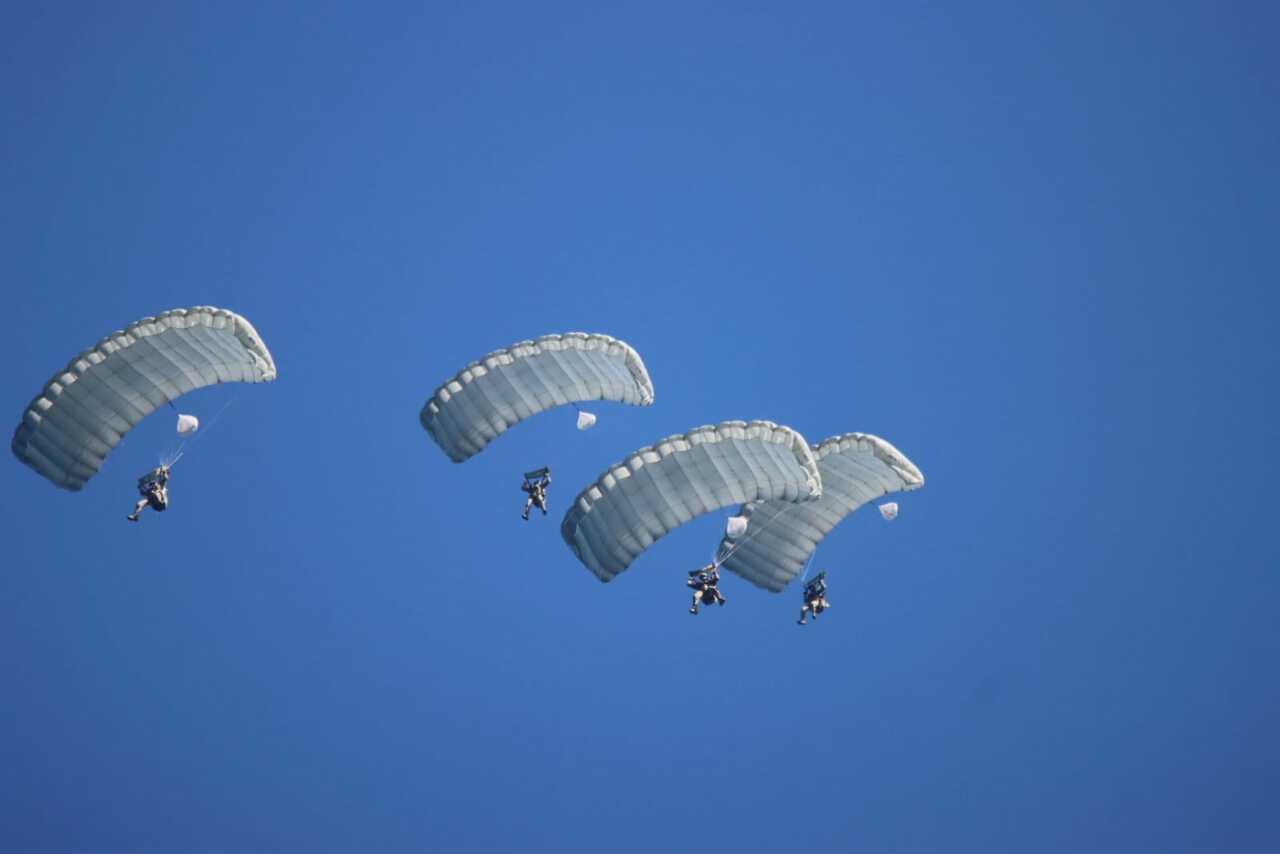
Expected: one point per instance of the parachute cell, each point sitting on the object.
(85, 409)
(489, 396)
(658, 488)
(855, 468)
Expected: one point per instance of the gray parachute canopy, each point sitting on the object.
(780, 536)
(491, 395)
(658, 488)
(85, 409)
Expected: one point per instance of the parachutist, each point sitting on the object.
(815, 598)
(535, 484)
(705, 583)
(154, 489)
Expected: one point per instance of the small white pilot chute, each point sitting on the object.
(585, 420)
(187, 424)
(889, 511)
(735, 527)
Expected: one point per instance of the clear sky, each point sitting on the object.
(1033, 248)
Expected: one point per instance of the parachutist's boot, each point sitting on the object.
(132, 517)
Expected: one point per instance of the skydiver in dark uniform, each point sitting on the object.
(814, 597)
(705, 583)
(535, 484)
(154, 489)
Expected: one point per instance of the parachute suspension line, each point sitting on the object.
(807, 564)
(182, 448)
(757, 529)
(170, 457)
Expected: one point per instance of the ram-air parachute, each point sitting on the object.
(491, 395)
(780, 536)
(658, 488)
(85, 409)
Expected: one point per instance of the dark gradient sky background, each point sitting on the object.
(1036, 250)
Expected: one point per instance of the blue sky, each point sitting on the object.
(1033, 248)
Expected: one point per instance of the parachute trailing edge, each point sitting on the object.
(85, 410)
(856, 468)
(660, 487)
(491, 395)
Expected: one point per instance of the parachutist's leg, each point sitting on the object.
(803, 612)
(137, 509)
(527, 505)
(697, 597)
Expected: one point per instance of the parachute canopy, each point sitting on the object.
(586, 421)
(735, 527)
(489, 396)
(889, 511)
(659, 488)
(855, 468)
(187, 424)
(85, 409)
